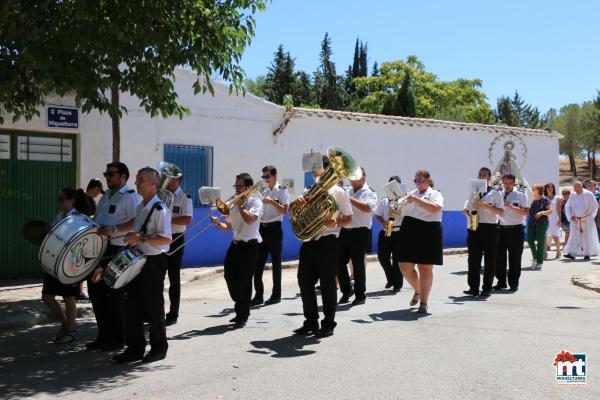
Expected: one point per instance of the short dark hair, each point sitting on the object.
(152, 174)
(81, 204)
(364, 173)
(424, 173)
(245, 177)
(486, 169)
(395, 178)
(546, 186)
(510, 177)
(270, 169)
(95, 183)
(326, 162)
(121, 168)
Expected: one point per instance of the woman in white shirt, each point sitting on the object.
(421, 233)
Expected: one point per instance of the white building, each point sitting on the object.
(228, 134)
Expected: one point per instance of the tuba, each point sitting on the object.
(309, 220)
(167, 172)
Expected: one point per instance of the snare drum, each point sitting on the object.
(72, 249)
(123, 268)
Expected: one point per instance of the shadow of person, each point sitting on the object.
(223, 313)
(285, 347)
(377, 294)
(210, 331)
(462, 299)
(406, 314)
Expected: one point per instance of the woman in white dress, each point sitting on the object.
(553, 219)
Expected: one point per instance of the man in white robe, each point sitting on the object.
(580, 210)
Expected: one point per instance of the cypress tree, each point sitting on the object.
(356, 61)
(406, 100)
(363, 68)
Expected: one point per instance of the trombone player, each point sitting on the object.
(318, 263)
(241, 257)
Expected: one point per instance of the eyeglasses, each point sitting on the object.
(265, 177)
(110, 174)
(419, 180)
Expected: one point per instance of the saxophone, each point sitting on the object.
(309, 220)
(389, 225)
(473, 220)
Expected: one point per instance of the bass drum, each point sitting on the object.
(123, 268)
(72, 249)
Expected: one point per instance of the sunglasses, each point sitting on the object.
(110, 174)
(419, 180)
(265, 177)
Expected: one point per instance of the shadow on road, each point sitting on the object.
(210, 331)
(463, 299)
(285, 347)
(223, 313)
(31, 366)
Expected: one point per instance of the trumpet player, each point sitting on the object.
(354, 240)
(318, 263)
(241, 257)
(483, 242)
(387, 245)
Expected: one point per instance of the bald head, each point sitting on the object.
(578, 187)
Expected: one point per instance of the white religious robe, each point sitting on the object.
(583, 240)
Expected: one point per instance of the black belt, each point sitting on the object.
(510, 227)
(270, 223)
(244, 241)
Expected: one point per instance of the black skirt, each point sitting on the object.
(54, 287)
(421, 242)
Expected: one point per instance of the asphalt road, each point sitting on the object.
(501, 348)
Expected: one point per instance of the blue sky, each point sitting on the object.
(547, 50)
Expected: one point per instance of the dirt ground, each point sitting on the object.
(583, 172)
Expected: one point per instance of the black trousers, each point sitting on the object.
(482, 243)
(318, 263)
(239, 265)
(510, 239)
(386, 250)
(144, 301)
(352, 245)
(108, 305)
(174, 272)
(272, 239)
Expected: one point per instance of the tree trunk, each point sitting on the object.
(573, 165)
(116, 123)
(589, 162)
(594, 166)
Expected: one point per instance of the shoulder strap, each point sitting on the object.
(156, 206)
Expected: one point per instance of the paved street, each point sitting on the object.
(501, 348)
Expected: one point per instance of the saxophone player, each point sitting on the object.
(318, 263)
(483, 242)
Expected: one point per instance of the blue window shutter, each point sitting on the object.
(196, 163)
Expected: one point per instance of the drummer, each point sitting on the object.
(70, 201)
(144, 294)
(116, 207)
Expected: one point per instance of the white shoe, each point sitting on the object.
(534, 264)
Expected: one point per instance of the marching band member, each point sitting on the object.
(240, 260)
(581, 208)
(512, 235)
(116, 207)
(354, 239)
(182, 211)
(387, 246)
(318, 263)
(421, 233)
(276, 202)
(484, 241)
(144, 294)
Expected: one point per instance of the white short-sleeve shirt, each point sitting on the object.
(493, 197)
(344, 208)
(418, 212)
(382, 209)
(361, 219)
(241, 230)
(515, 198)
(182, 207)
(280, 194)
(117, 209)
(159, 224)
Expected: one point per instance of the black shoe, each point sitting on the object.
(570, 257)
(256, 301)
(127, 357)
(153, 356)
(95, 345)
(514, 288)
(471, 292)
(239, 324)
(345, 298)
(396, 289)
(358, 301)
(170, 320)
(273, 300)
(586, 258)
(498, 287)
(388, 285)
(485, 293)
(324, 332)
(111, 346)
(305, 330)
(234, 319)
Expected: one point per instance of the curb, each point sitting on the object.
(584, 282)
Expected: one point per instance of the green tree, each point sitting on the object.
(303, 91)
(505, 112)
(328, 84)
(375, 70)
(281, 77)
(363, 69)
(406, 102)
(98, 49)
(516, 112)
(568, 122)
(256, 86)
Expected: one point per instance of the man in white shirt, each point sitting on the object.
(483, 243)
(318, 263)
(240, 260)
(511, 236)
(144, 294)
(354, 239)
(117, 206)
(182, 211)
(581, 208)
(276, 202)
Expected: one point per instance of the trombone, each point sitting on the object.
(223, 207)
